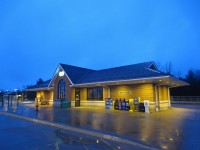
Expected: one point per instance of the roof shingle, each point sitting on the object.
(41, 85)
(79, 75)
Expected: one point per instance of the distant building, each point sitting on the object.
(87, 87)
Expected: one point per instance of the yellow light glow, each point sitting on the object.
(164, 147)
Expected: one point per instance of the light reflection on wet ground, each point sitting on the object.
(19, 134)
(177, 128)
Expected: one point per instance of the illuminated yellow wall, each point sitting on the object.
(144, 91)
(83, 93)
(73, 94)
(163, 93)
(105, 93)
(44, 95)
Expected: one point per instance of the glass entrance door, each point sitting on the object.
(77, 97)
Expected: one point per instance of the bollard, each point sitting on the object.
(37, 106)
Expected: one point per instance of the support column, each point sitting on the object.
(108, 91)
(156, 96)
(169, 97)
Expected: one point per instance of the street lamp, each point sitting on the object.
(1, 96)
(16, 93)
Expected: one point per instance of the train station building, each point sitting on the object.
(88, 87)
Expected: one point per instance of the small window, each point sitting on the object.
(153, 67)
(95, 93)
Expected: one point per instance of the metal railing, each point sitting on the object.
(185, 98)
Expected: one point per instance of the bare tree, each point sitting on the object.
(168, 68)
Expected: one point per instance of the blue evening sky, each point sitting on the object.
(36, 35)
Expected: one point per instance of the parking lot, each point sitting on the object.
(176, 128)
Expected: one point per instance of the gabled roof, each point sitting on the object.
(39, 86)
(76, 73)
(136, 71)
(83, 76)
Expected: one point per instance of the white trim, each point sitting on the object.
(39, 89)
(92, 103)
(53, 76)
(154, 65)
(60, 67)
(164, 101)
(179, 80)
(161, 77)
(153, 70)
(66, 74)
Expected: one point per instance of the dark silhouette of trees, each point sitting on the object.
(193, 78)
(39, 81)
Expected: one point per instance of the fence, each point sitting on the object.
(185, 99)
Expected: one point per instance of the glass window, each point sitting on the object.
(61, 89)
(95, 93)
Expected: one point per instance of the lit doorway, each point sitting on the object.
(77, 97)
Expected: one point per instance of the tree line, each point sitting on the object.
(193, 78)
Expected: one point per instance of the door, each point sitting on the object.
(77, 97)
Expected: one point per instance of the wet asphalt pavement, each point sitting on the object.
(24, 135)
(176, 128)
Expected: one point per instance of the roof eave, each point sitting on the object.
(178, 82)
(40, 89)
(59, 66)
(138, 80)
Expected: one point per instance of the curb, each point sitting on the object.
(83, 131)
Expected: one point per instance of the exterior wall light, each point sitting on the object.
(61, 73)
